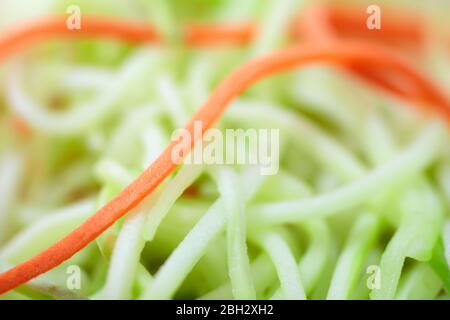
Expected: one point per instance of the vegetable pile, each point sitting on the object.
(359, 208)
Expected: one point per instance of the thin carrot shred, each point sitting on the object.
(33, 31)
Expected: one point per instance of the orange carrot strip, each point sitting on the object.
(209, 34)
(209, 113)
(395, 26)
(119, 29)
(33, 31)
(325, 23)
(339, 21)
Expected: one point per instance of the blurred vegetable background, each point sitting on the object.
(359, 209)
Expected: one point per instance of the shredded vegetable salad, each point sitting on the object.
(107, 109)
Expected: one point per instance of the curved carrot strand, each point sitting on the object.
(404, 26)
(325, 23)
(322, 20)
(35, 30)
(209, 113)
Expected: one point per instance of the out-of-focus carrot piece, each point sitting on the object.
(213, 34)
(325, 23)
(16, 39)
(21, 127)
